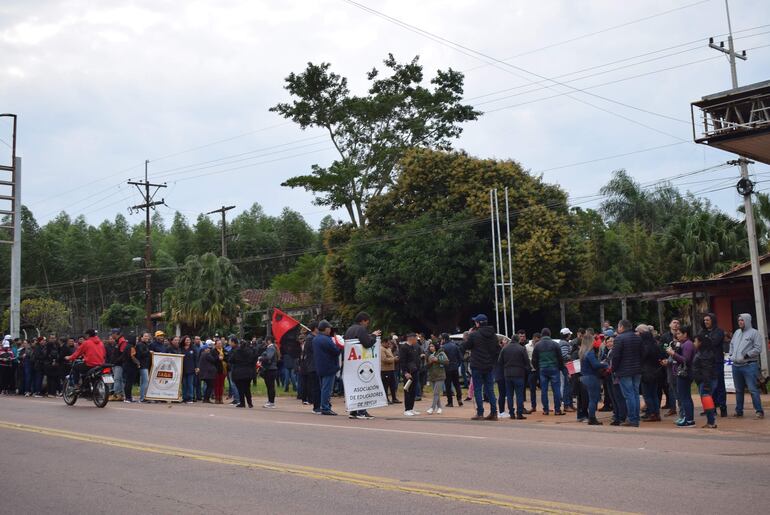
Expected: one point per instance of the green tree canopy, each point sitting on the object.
(371, 133)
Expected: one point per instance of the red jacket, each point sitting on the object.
(92, 350)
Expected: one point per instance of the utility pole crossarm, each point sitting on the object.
(225, 235)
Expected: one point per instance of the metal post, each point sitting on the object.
(563, 309)
(15, 311)
(624, 308)
(510, 262)
(494, 257)
(601, 315)
(502, 273)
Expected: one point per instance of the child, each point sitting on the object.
(437, 361)
(703, 375)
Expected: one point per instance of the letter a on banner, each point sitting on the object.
(362, 379)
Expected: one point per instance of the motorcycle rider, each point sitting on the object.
(93, 352)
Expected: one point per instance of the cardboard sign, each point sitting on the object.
(165, 377)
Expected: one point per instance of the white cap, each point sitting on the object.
(565, 330)
(6, 344)
(209, 342)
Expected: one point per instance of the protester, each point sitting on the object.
(745, 348)
(326, 358)
(207, 369)
(548, 362)
(358, 331)
(452, 383)
(409, 362)
(533, 377)
(704, 376)
(515, 362)
(499, 375)
(388, 372)
(712, 331)
(482, 342)
(565, 346)
(626, 364)
(590, 375)
(243, 364)
(6, 369)
(117, 365)
(312, 385)
(619, 410)
(652, 355)
(189, 370)
(682, 358)
(669, 340)
(269, 363)
(437, 362)
(130, 370)
(53, 359)
(144, 357)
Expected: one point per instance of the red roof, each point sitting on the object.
(741, 267)
(284, 298)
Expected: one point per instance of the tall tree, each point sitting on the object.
(371, 133)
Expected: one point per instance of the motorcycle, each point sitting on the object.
(95, 384)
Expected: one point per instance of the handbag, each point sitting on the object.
(683, 370)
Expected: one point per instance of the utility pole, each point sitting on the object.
(149, 203)
(745, 187)
(223, 210)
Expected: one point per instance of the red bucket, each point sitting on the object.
(708, 402)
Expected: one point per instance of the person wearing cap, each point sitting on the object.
(207, 369)
(482, 342)
(311, 382)
(326, 359)
(158, 343)
(455, 356)
(565, 346)
(6, 368)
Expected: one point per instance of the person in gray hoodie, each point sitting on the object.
(745, 348)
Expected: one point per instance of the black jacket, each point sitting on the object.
(143, 354)
(359, 332)
(126, 357)
(243, 361)
(190, 360)
(409, 358)
(52, 357)
(514, 360)
(307, 360)
(207, 363)
(717, 337)
(627, 354)
(703, 365)
(484, 348)
(454, 354)
(651, 356)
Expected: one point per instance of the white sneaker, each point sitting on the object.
(269, 405)
(503, 414)
(429, 411)
(409, 413)
(439, 412)
(415, 412)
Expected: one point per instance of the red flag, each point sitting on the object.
(282, 324)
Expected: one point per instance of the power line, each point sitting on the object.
(509, 67)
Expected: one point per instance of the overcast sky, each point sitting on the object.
(101, 86)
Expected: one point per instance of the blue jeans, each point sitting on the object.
(594, 386)
(651, 399)
(684, 395)
(144, 380)
(327, 383)
(37, 381)
(532, 385)
(188, 387)
(198, 389)
(566, 394)
(27, 376)
(630, 388)
(288, 377)
(233, 389)
(515, 384)
(550, 375)
(743, 376)
(484, 383)
(117, 386)
(708, 389)
(618, 403)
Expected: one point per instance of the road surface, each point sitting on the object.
(217, 459)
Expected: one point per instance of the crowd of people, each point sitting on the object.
(576, 372)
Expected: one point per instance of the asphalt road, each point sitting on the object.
(218, 459)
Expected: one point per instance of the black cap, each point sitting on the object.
(323, 325)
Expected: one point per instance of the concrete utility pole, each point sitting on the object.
(148, 204)
(223, 210)
(15, 227)
(747, 186)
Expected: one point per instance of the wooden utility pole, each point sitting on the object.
(149, 203)
(223, 210)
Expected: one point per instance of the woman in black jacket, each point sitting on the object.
(652, 371)
(243, 361)
(130, 369)
(207, 365)
(704, 375)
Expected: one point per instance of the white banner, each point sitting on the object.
(165, 377)
(729, 384)
(361, 377)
